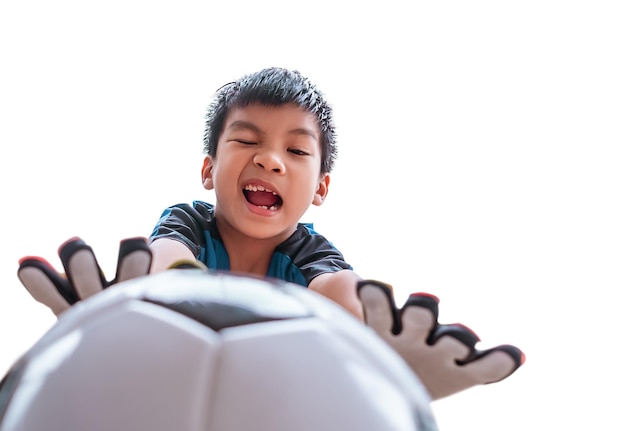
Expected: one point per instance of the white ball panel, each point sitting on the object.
(303, 376)
(138, 366)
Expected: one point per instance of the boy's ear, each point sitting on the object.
(207, 173)
(322, 190)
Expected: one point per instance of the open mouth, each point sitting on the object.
(262, 197)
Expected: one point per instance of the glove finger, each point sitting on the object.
(379, 308)
(418, 317)
(411, 344)
(495, 364)
(424, 300)
(490, 368)
(81, 267)
(457, 331)
(435, 364)
(438, 369)
(134, 259)
(432, 350)
(454, 365)
(417, 323)
(45, 284)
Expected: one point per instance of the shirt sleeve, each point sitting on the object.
(184, 223)
(312, 253)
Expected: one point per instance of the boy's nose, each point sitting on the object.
(269, 161)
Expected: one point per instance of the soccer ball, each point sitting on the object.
(189, 350)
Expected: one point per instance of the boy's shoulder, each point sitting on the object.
(205, 209)
(306, 238)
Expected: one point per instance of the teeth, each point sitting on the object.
(256, 188)
(272, 208)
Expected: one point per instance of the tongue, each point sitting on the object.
(262, 198)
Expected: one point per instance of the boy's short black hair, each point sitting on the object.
(272, 87)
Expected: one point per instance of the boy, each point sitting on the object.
(270, 146)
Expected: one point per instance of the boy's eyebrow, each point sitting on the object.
(246, 125)
(304, 131)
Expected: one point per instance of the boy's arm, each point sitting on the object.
(340, 287)
(167, 251)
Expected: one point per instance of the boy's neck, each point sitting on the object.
(248, 255)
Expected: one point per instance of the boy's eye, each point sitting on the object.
(241, 141)
(298, 152)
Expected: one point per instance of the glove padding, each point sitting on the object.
(83, 276)
(443, 356)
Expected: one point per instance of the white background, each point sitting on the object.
(481, 159)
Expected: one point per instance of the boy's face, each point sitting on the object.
(266, 171)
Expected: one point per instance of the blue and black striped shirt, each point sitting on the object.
(303, 256)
